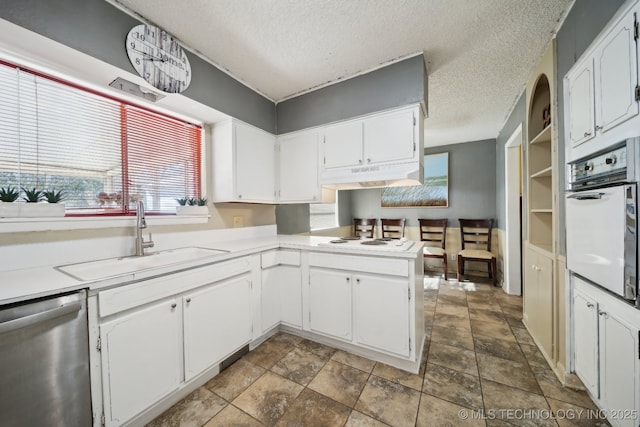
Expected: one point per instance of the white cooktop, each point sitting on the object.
(382, 246)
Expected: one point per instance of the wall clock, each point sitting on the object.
(158, 58)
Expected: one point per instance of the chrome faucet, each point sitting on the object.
(141, 223)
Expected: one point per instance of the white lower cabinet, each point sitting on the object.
(330, 303)
(280, 289)
(217, 321)
(382, 313)
(606, 353)
(141, 355)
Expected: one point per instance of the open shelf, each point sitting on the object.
(550, 211)
(543, 173)
(543, 137)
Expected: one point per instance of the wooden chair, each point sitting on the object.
(434, 230)
(475, 237)
(393, 228)
(364, 227)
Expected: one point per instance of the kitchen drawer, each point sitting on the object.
(374, 265)
(126, 297)
(280, 257)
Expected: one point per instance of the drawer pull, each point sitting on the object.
(173, 306)
(589, 305)
(188, 300)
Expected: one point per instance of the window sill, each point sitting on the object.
(17, 225)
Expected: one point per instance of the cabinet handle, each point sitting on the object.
(589, 305)
(360, 161)
(368, 160)
(188, 300)
(239, 196)
(348, 279)
(587, 134)
(358, 281)
(602, 313)
(598, 127)
(173, 306)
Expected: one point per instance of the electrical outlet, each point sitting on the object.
(237, 221)
(454, 257)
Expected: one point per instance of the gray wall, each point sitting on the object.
(472, 182)
(97, 28)
(292, 219)
(583, 24)
(401, 83)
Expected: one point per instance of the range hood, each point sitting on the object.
(373, 176)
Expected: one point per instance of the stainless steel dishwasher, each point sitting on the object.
(44, 362)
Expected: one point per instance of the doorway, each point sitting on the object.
(513, 205)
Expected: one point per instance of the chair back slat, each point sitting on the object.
(433, 230)
(476, 232)
(393, 228)
(364, 227)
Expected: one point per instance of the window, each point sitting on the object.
(102, 153)
(323, 215)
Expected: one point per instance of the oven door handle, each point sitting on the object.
(585, 196)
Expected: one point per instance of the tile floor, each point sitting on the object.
(477, 357)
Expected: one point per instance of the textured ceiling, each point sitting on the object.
(479, 53)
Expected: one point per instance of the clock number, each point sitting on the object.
(133, 45)
(137, 61)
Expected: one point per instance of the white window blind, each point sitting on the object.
(102, 153)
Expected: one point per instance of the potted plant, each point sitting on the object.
(33, 208)
(8, 209)
(193, 206)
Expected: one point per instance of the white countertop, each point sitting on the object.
(28, 283)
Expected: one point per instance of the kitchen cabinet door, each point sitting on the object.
(291, 295)
(618, 365)
(330, 303)
(616, 75)
(270, 298)
(390, 137)
(141, 360)
(581, 103)
(382, 313)
(538, 299)
(342, 145)
(255, 165)
(299, 167)
(217, 322)
(585, 335)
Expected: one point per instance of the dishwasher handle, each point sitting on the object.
(585, 196)
(41, 317)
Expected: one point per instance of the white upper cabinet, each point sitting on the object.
(244, 163)
(581, 104)
(298, 167)
(343, 144)
(602, 89)
(390, 137)
(381, 138)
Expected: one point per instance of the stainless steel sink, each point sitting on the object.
(95, 270)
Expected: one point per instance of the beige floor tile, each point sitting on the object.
(268, 354)
(321, 350)
(454, 299)
(398, 376)
(514, 322)
(312, 409)
(508, 372)
(235, 379)
(551, 387)
(449, 321)
(454, 337)
(340, 382)
(523, 336)
(437, 412)
(492, 329)
(484, 304)
(358, 419)
(287, 339)
(501, 401)
(512, 311)
(499, 348)
(534, 356)
(452, 310)
(232, 416)
(454, 386)
(268, 398)
(453, 357)
(569, 415)
(354, 361)
(389, 402)
(487, 315)
(299, 365)
(192, 411)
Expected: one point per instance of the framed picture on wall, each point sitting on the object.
(434, 193)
